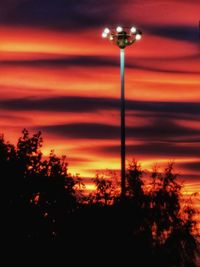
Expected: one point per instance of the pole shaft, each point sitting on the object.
(123, 144)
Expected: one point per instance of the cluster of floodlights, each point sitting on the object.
(122, 37)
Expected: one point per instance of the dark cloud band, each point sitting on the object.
(91, 104)
(177, 32)
(69, 15)
(192, 166)
(158, 130)
(107, 61)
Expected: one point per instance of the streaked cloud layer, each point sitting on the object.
(59, 76)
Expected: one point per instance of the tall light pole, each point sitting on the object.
(122, 37)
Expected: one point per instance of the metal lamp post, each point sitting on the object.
(122, 37)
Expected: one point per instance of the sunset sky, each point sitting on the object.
(59, 76)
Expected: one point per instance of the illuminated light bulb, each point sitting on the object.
(133, 29)
(104, 34)
(111, 38)
(106, 30)
(138, 36)
(119, 29)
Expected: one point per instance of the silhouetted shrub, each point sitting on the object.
(46, 205)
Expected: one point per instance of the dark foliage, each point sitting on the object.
(45, 208)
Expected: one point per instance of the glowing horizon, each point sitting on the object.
(59, 76)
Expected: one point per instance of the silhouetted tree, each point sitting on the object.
(39, 192)
(172, 226)
(43, 202)
(105, 191)
(135, 211)
(7, 169)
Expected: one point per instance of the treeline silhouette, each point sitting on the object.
(45, 206)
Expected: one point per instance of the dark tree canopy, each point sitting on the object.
(45, 204)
